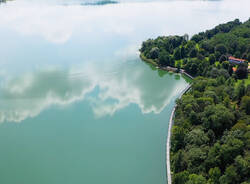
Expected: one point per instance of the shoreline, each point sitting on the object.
(210, 58)
(167, 68)
(168, 145)
(171, 119)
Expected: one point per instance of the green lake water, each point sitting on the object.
(77, 105)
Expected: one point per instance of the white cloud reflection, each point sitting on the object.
(28, 95)
(121, 25)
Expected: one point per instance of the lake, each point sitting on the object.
(77, 105)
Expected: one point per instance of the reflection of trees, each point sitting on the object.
(161, 73)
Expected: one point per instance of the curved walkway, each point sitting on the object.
(169, 137)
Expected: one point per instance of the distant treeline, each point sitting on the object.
(210, 138)
(204, 50)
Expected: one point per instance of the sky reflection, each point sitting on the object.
(28, 95)
(44, 45)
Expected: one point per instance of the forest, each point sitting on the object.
(210, 138)
(205, 53)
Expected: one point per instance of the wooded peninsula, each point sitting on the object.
(210, 138)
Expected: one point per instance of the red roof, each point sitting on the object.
(236, 59)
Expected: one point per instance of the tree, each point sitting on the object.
(230, 150)
(230, 176)
(248, 90)
(164, 59)
(230, 70)
(178, 66)
(196, 179)
(179, 162)
(225, 65)
(243, 166)
(241, 71)
(217, 118)
(211, 137)
(181, 177)
(240, 125)
(214, 175)
(212, 59)
(177, 54)
(196, 157)
(178, 135)
(197, 38)
(217, 55)
(207, 46)
(248, 57)
(172, 62)
(222, 49)
(213, 157)
(196, 137)
(245, 104)
(193, 53)
(154, 53)
(240, 91)
(200, 56)
(214, 73)
(183, 52)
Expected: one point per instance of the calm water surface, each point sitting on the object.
(76, 103)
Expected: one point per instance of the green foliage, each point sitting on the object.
(241, 71)
(179, 161)
(196, 179)
(221, 49)
(245, 104)
(178, 133)
(196, 137)
(210, 135)
(240, 91)
(154, 53)
(230, 176)
(193, 53)
(212, 59)
(203, 50)
(181, 177)
(196, 156)
(210, 139)
(214, 175)
(164, 59)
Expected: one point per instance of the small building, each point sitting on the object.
(236, 60)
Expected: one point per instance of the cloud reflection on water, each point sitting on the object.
(30, 94)
(35, 30)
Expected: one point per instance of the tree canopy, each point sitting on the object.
(210, 138)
